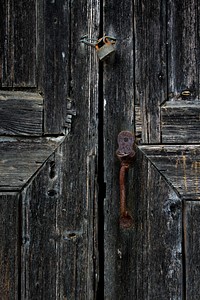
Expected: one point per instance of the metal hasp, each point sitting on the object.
(126, 154)
(104, 46)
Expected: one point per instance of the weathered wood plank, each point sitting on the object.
(146, 259)
(150, 65)
(117, 106)
(180, 121)
(192, 244)
(41, 235)
(9, 246)
(59, 252)
(54, 61)
(21, 113)
(18, 43)
(180, 165)
(183, 47)
(158, 226)
(81, 156)
(21, 158)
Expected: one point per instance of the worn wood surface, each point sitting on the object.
(60, 204)
(21, 113)
(150, 64)
(9, 246)
(41, 272)
(118, 114)
(21, 158)
(18, 43)
(59, 254)
(158, 226)
(192, 244)
(180, 121)
(183, 43)
(146, 259)
(54, 24)
(180, 165)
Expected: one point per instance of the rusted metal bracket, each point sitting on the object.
(126, 154)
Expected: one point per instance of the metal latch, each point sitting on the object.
(126, 154)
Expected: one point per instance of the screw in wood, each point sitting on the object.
(126, 154)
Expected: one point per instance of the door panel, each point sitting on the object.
(146, 260)
(10, 245)
(150, 66)
(183, 48)
(192, 244)
(18, 43)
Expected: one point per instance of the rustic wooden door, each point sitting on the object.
(61, 111)
(152, 89)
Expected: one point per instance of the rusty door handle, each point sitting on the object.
(126, 154)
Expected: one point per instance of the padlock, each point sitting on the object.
(106, 50)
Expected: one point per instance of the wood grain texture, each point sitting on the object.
(192, 244)
(60, 258)
(180, 165)
(9, 246)
(180, 121)
(158, 227)
(41, 235)
(21, 113)
(18, 43)
(146, 259)
(21, 158)
(118, 110)
(150, 64)
(59, 252)
(54, 61)
(183, 47)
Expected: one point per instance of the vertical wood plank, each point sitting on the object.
(18, 43)
(80, 167)
(118, 109)
(183, 47)
(192, 244)
(158, 226)
(150, 65)
(41, 236)
(10, 246)
(53, 61)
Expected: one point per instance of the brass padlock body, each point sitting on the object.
(106, 50)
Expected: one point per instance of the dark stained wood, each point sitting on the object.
(180, 165)
(192, 244)
(147, 259)
(21, 113)
(59, 253)
(41, 235)
(150, 65)
(158, 226)
(118, 109)
(180, 121)
(21, 158)
(9, 246)
(18, 43)
(183, 47)
(54, 62)
(60, 258)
